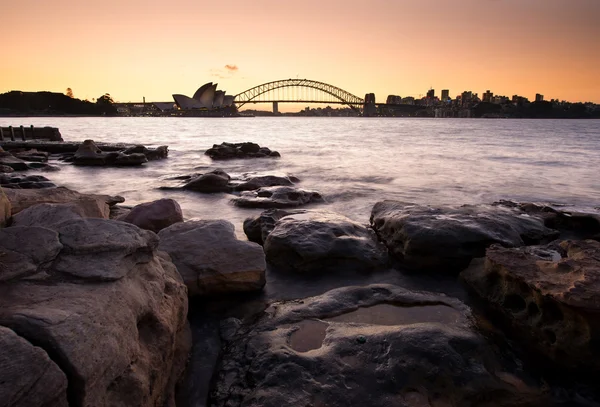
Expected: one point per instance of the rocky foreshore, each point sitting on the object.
(474, 305)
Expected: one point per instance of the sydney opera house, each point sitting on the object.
(207, 97)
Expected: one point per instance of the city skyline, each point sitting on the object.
(152, 50)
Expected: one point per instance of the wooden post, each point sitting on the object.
(22, 133)
(1, 133)
(32, 133)
(12, 133)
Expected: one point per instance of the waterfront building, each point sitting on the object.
(445, 95)
(487, 96)
(539, 98)
(431, 94)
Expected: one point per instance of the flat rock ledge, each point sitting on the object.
(227, 151)
(91, 314)
(211, 260)
(377, 345)
(548, 296)
(446, 238)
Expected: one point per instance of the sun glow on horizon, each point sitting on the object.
(153, 50)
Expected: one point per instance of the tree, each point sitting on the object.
(69, 93)
(105, 99)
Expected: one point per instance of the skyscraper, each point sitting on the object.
(445, 95)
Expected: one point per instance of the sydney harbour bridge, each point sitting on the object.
(208, 98)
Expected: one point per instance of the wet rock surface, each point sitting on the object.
(297, 353)
(264, 181)
(447, 238)
(225, 151)
(25, 182)
(211, 259)
(258, 228)
(106, 312)
(549, 296)
(277, 197)
(8, 160)
(155, 215)
(315, 242)
(210, 182)
(571, 224)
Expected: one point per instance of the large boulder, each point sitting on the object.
(226, 151)
(47, 214)
(446, 238)
(155, 215)
(548, 296)
(117, 331)
(214, 181)
(277, 197)
(93, 205)
(315, 242)
(377, 345)
(257, 228)
(28, 377)
(31, 155)
(211, 259)
(6, 169)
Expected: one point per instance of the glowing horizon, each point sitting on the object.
(153, 50)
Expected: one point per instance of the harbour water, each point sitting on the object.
(352, 162)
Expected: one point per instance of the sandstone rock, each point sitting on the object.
(263, 181)
(88, 153)
(377, 345)
(27, 375)
(5, 209)
(122, 342)
(321, 241)
(549, 296)
(125, 160)
(7, 159)
(277, 197)
(155, 215)
(258, 228)
(214, 181)
(225, 151)
(26, 251)
(25, 182)
(6, 169)
(150, 154)
(49, 214)
(31, 155)
(210, 258)
(114, 248)
(93, 205)
(446, 238)
(574, 224)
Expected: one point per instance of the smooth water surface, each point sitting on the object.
(353, 162)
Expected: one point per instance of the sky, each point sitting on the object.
(147, 48)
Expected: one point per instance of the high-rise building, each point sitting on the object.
(539, 98)
(487, 96)
(431, 94)
(445, 95)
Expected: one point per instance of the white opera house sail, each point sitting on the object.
(207, 97)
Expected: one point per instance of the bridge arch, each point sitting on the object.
(341, 96)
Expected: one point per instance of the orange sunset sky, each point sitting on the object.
(136, 48)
